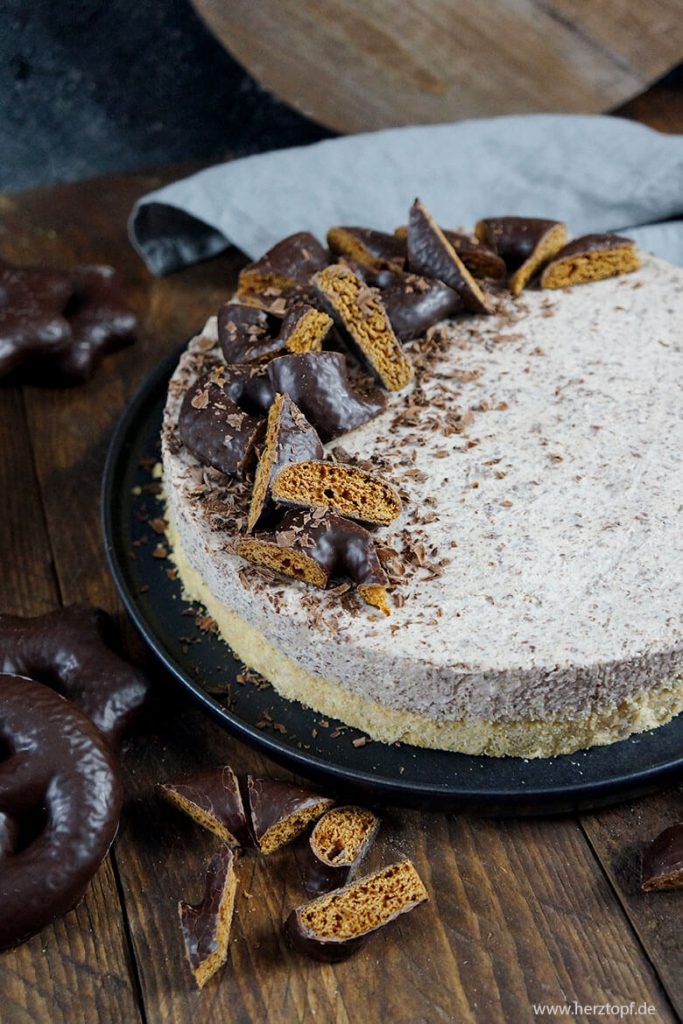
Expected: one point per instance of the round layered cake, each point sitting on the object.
(536, 568)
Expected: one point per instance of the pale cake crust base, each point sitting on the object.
(521, 738)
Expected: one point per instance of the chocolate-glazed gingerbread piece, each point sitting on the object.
(100, 322)
(212, 798)
(373, 248)
(318, 384)
(60, 789)
(336, 847)
(348, 490)
(317, 547)
(415, 303)
(280, 811)
(215, 429)
(66, 649)
(289, 438)
(479, 259)
(335, 925)
(206, 925)
(9, 835)
(285, 270)
(250, 335)
(432, 255)
(590, 258)
(247, 334)
(359, 311)
(32, 321)
(56, 325)
(663, 860)
(524, 243)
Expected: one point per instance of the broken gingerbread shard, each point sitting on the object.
(339, 842)
(281, 811)
(480, 260)
(524, 243)
(317, 547)
(206, 925)
(215, 429)
(289, 438)
(663, 860)
(347, 490)
(212, 798)
(373, 248)
(432, 255)
(358, 310)
(318, 383)
(286, 269)
(250, 335)
(68, 648)
(333, 926)
(590, 258)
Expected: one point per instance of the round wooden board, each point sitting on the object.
(359, 65)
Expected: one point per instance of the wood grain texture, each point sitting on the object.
(521, 911)
(358, 65)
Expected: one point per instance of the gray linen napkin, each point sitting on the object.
(596, 173)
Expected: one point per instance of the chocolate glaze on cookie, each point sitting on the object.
(215, 429)
(206, 925)
(373, 248)
(280, 811)
(663, 860)
(66, 650)
(285, 270)
(60, 796)
(212, 798)
(32, 322)
(339, 842)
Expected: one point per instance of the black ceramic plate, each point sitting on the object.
(205, 667)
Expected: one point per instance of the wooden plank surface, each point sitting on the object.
(431, 61)
(544, 911)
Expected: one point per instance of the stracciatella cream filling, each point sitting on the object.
(539, 568)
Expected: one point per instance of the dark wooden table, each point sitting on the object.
(522, 911)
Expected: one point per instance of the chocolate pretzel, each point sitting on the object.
(66, 650)
(60, 801)
(212, 798)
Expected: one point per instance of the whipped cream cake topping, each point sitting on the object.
(537, 454)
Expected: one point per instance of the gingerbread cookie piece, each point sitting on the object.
(663, 860)
(337, 845)
(285, 270)
(280, 811)
(335, 925)
(590, 258)
(100, 322)
(373, 248)
(415, 303)
(215, 429)
(358, 310)
(289, 438)
(206, 925)
(432, 255)
(60, 792)
(479, 259)
(350, 491)
(524, 243)
(56, 325)
(66, 649)
(247, 334)
(317, 547)
(211, 798)
(318, 383)
(32, 321)
(304, 329)
(251, 335)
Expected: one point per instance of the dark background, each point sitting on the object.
(90, 86)
(95, 86)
